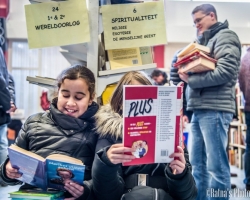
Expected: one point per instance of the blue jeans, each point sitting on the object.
(247, 152)
(3, 143)
(208, 156)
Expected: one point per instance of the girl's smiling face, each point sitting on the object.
(73, 97)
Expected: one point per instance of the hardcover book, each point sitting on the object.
(196, 62)
(36, 194)
(51, 172)
(152, 117)
(192, 47)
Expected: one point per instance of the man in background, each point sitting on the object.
(244, 80)
(211, 97)
(160, 77)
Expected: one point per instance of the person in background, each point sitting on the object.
(5, 106)
(211, 97)
(113, 181)
(244, 80)
(66, 129)
(160, 77)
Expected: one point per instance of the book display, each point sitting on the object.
(111, 36)
(237, 133)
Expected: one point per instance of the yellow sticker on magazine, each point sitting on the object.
(134, 25)
(57, 23)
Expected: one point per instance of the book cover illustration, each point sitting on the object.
(152, 120)
(59, 173)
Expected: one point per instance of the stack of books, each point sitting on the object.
(36, 194)
(195, 58)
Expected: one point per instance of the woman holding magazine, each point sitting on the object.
(113, 181)
(67, 128)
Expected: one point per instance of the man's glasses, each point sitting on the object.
(198, 20)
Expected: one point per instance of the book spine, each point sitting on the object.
(178, 125)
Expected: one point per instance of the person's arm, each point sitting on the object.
(107, 176)
(174, 76)
(242, 76)
(12, 88)
(4, 95)
(181, 186)
(227, 52)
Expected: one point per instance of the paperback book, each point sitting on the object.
(51, 172)
(152, 117)
(36, 194)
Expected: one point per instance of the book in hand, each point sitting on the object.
(36, 194)
(152, 122)
(51, 172)
(195, 62)
(191, 47)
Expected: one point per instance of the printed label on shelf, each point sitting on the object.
(57, 23)
(134, 25)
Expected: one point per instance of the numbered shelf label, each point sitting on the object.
(57, 23)
(134, 25)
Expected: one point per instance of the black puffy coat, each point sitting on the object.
(109, 179)
(53, 132)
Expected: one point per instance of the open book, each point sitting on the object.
(51, 172)
(152, 118)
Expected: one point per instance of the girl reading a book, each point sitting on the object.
(67, 128)
(113, 181)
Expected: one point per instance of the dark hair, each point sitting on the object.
(156, 73)
(64, 170)
(144, 141)
(206, 9)
(78, 71)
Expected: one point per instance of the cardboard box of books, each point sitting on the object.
(152, 117)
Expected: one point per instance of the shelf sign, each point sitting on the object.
(134, 25)
(57, 23)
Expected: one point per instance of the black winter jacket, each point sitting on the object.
(53, 132)
(5, 97)
(109, 179)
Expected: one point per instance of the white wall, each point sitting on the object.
(16, 24)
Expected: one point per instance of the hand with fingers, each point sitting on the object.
(11, 172)
(74, 189)
(178, 165)
(116, 154)
(183, 76)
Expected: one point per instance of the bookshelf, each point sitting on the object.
(237, 133)
(93, 53)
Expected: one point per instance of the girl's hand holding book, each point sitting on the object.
(116, 154)
(11, 172)
(74, 189)
(178, 164)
